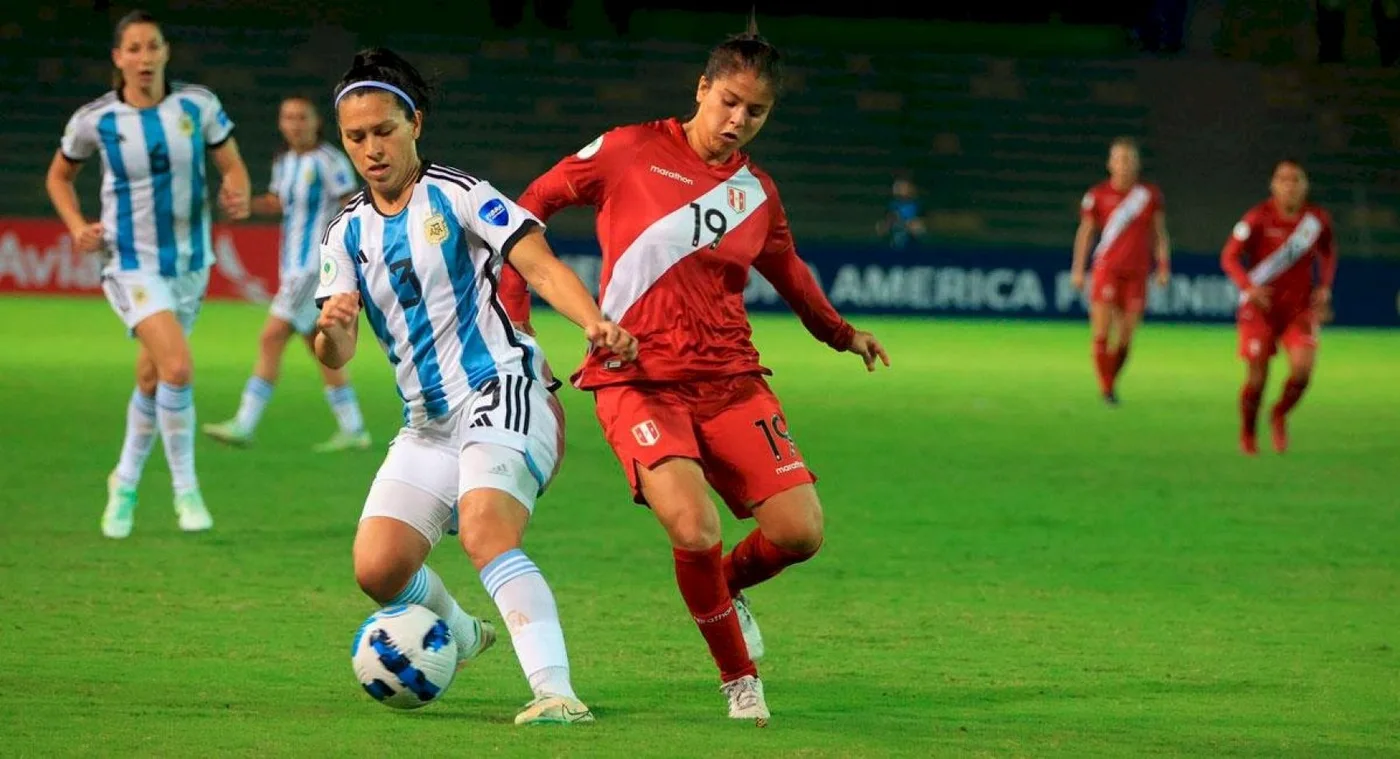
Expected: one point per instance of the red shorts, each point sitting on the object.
(1260, 331)
(1126, 290)
(734, 427)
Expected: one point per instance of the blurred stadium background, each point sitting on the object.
(1066, 584)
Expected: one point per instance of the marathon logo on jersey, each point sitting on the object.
(671, 174)
(435, 227)
(494, 213)
(646, 433)
(737, 200)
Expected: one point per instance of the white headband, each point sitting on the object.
(379, 86)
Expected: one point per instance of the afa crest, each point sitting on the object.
(186, 125)
(737, 200)
(139, 296)
(435, 229)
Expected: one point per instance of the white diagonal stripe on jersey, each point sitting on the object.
(382, 292)
(668, 241)
(1285, 255)
(1128, 210)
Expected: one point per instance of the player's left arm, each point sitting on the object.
(1326, 267)
(519, 237)
(1164, 247)
(789, 275)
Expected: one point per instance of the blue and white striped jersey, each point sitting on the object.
(155, 210)
(427, 279)
(310, 186)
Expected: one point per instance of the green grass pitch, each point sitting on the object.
(1011, 569)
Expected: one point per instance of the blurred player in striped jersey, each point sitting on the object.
(311, 181)
(153, 139)
(1283, 258)
(1130, 221)
(683, 215)
(420, 250)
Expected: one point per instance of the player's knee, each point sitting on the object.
(177, 370)
(147, 377)
(489, 524)
(1300, 376)
(382, 578)
(693, 528)
(272, 341)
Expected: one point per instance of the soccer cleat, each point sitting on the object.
(1249, 445)
(554, 710)
(746, 700)
(229, 433)
(485, 638)
(344, 441)
(1278, 425)
(1111, 398)
(121, 509)
(194, 517)
(752, 637)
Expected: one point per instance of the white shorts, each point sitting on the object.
(295, 302)
(138, 295)
(508, 436)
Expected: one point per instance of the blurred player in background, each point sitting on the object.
(153, 138)
(1131, 223)
(419, 250)
(1283, 259)
(683, 214)
(311, 181)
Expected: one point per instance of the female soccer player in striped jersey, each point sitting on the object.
(420, 250)
(683, 214)
(154, 232)
(311, 181)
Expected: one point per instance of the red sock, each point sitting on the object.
(757, 559)
(1249, 408)
(1120, 357)
(700, 575)
(1292, 393)
(1103, 362)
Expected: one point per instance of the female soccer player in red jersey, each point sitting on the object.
(683, 214)
(1287, 245)
(1131, 223)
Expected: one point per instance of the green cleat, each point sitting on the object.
(344, 441)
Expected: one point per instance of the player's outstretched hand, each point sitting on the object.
(606, 334)
(339, 311)
(1076, 280)
(87, 238)
(1322, 304)
(865, 345)
(236, 202)
(1164, 276)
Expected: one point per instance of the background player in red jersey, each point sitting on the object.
(1131, 222)
(683, 215)
(1282, 298)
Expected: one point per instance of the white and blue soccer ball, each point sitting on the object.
(404, 656)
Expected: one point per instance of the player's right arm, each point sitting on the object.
(1232, 260)
(1082, 238)
(338, 296)
(268, 204)
(79, 143)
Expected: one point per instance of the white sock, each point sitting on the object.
(425, 588)
(346, 409)
(140, 437)
(256, 394)
(175, 415)
(527, 607)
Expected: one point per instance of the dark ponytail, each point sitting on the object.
(747, 52)
(134, 17)
(379, 64)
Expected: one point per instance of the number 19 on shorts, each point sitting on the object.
(775, 429)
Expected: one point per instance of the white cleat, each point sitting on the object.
(485, 638)
(345, 441)
(229, 433)
(120, 512)
(554, 710)
(752, 637)
(194, 517)
(746, 700)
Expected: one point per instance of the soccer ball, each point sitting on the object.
(404, 656)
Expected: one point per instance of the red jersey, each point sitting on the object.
(678, 238)
(1268, 248)
(1127, 226)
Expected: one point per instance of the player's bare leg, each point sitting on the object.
(350, 433)
(267, 368)
(389, 557)
(163, 337)
(120, 513)
(1301, 360)
(789, 532)
(1256, 375)
(491, 527)
(678, 494)
(1100, 324)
